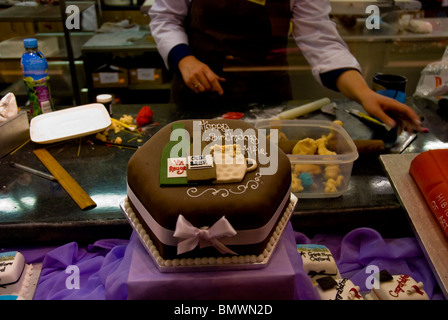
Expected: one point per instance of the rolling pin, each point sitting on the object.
(302, 110)
(369, 146)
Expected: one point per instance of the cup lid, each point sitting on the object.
(104, 98)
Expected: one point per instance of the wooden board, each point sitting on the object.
(70, 185)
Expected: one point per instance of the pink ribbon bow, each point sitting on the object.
(191, 236)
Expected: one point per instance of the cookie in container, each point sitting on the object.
(321, 154)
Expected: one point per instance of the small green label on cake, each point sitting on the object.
(173, 170)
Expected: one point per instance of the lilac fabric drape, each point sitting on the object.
(102, 269)
(364, 247)
(121, 269)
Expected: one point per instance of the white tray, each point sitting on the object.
(69, 123)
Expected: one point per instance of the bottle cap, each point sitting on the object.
(30, 43)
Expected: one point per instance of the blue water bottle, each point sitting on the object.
(36, 78)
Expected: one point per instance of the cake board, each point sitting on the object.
(283, 278)
(427, 230)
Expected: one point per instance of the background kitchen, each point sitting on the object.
(116, 33)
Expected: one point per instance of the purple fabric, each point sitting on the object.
(112, 269)
(283, 278)
(364, 247)
(101, 268)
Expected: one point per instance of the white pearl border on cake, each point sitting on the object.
(192, 264)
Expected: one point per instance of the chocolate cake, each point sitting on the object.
(209, 191)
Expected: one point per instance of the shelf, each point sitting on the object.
(61, 92)
(52, 45)
(48, 13)
(162, 86)
(139, 41)
(38, 13)
(106, 7)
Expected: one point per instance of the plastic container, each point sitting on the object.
(69, 123)
(36, 78)
(320, 175)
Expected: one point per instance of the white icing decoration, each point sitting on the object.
(224, 192)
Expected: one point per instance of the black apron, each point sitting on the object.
(232, 34)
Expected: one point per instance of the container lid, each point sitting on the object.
(30, 43)
(104, 98)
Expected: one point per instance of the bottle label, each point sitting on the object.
(39, 95)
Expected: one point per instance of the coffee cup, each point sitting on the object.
(106, 100)
(390, 85)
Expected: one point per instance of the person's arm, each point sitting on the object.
(334, 66)
(318, 39)
(167, 25)
(390, 111)
(167, 28)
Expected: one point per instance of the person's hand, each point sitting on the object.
(390, 111)
(198, 76)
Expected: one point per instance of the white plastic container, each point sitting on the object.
(315, 171)
(69, 123)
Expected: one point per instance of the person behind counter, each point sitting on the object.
(205, 42)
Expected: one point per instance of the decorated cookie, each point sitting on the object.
(329, 288)
(397, 287)
(18, 280)
(317, 261)
(12, 264)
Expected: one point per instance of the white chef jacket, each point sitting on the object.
(313, 31)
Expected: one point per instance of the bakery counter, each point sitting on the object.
(39, 211)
